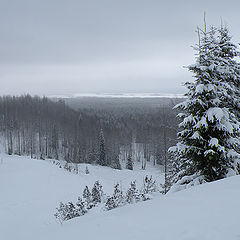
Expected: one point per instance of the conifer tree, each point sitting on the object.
(117, 195)
(80, 207)
(129, 164)
(132, 194)
(116, 200)
(87, 170)
(115, 162)
(102, 151)
(208, 140)
(97, 193)
(87, 196)
(149, 185)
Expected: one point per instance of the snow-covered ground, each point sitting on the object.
(30, 190)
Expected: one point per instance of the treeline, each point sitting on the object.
(148, 125)
(42, 128)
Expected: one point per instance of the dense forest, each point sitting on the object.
(91, 130)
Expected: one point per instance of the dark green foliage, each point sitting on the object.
(80, 207)
(129, 164)
(87, 196)
(68, 211)
(102, 160)
(133, 194)
(209, 137)
(149, 185)
(116, 200)
(116, 163)
(97, 193)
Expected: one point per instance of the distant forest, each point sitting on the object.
(89, 130)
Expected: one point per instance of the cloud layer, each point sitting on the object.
(67, 47)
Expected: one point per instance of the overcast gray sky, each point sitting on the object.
(56, 47)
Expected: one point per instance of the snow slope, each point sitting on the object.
(30, 191)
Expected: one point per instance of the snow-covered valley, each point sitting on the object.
(32, 189)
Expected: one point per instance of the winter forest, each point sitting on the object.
(58, 129)
(127, 167)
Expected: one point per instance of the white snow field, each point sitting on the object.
(30, 190)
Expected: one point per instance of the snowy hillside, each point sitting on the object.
(32, 189)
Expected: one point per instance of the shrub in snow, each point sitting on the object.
(66, 167)
(86, 170)
(209, 138)
(149, 185)
(61, 212)
(86, 194)
(110, 203)
(116, 200)
(97, 193)
(80, 207)
(75, 168)
(67, 211)
(87, 197)
(133, 194)
(90, 200)
(118, 195)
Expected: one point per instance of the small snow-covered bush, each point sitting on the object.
(69, 210)
(87, 170)
(87, 197)
(97, 193)
(133, 194)
(97, 197)
(149, 185)
(116, 200)
(87, 201)
(80, 207)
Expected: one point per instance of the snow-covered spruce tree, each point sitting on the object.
(208, 140)
(116, 162)
(80, 207)
(87, 197)
(149, 185)
(129, 164)
(102, 160)
(61, 212)
(132, 194)
(97, 193)
(228, 53)
(66, 211)
(116, 200)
